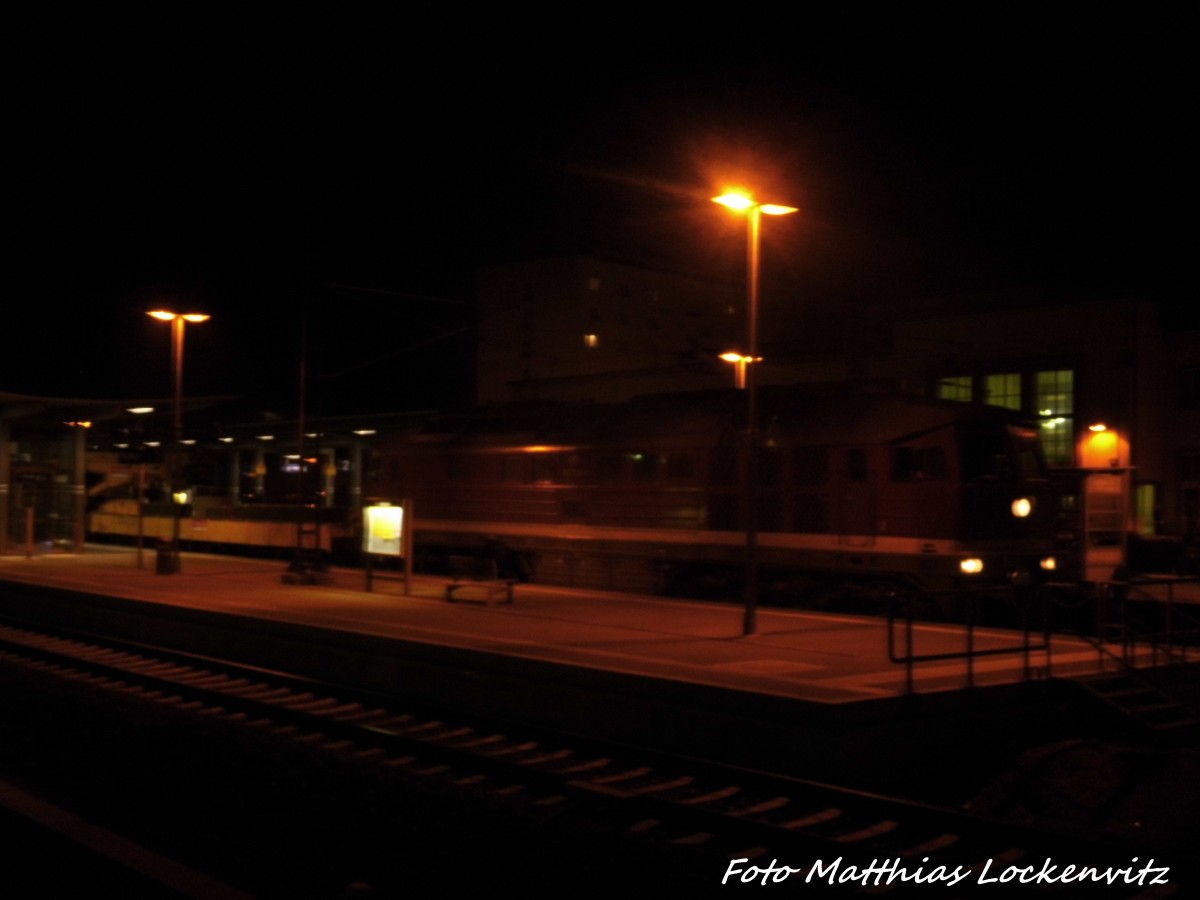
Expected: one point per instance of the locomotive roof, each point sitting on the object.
(816, 414)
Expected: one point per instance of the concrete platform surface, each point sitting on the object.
(805, 655)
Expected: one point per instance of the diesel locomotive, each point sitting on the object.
(663, 493)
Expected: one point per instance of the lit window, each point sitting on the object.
(1145, 501)
(1055, 399)
(591, 340)
(955, 387)
(1003, 390)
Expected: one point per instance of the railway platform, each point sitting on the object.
(816, 657)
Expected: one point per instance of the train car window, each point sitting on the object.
(722, 512)
(607, 467)
(856, 464)
(644, 466)
(722, 466)
(577, 469)
(770, 466)
(680, 465)
(517, 469)
(547, 468)
(810, 512)
(810, 466)
(770, 512)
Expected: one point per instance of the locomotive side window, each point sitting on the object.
(985, 457)
(1030, 462)
(918, 464)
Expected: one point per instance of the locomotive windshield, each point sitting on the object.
(1001, 454)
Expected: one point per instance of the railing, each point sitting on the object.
(968, 605)
(1158, 612)
(1147, 625)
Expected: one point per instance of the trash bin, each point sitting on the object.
(166, 561)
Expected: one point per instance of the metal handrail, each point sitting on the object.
(1169, 639)
(1177, 641)
(907, 603)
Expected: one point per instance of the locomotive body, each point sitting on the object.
(655, 494)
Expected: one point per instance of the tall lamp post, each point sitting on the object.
(178, 322)
(748, 379)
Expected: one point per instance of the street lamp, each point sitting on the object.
(748, 379)
(178, 322)
(740, 360)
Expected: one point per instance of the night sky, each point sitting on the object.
(354, 172)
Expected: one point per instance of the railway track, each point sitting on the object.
(745, 827)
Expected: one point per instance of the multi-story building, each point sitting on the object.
(1110, 386)
(583, 328)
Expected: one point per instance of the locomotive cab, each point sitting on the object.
(1006, 506)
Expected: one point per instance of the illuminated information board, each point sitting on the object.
(383, 530)
(385, 537)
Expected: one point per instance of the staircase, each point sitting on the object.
(1154, 710)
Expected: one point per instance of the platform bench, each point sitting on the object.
(480, 579)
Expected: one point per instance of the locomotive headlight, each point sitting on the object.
(1048, 563)
(1022, 507)
(971, 566)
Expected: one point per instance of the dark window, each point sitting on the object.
(1187, 389)
(680, 465)
(516, 469)
(576, 469)
(547, 467)
(856, 464)
(770, 466)
(810, 466)
(607, 466)
(810, 512)
(770, 511)
(918, 464)
(722, 512)
(645, 466)
(722, 466)
(985, 456)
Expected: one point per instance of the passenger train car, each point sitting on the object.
(654, 494)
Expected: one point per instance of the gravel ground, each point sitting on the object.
(281, 818)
